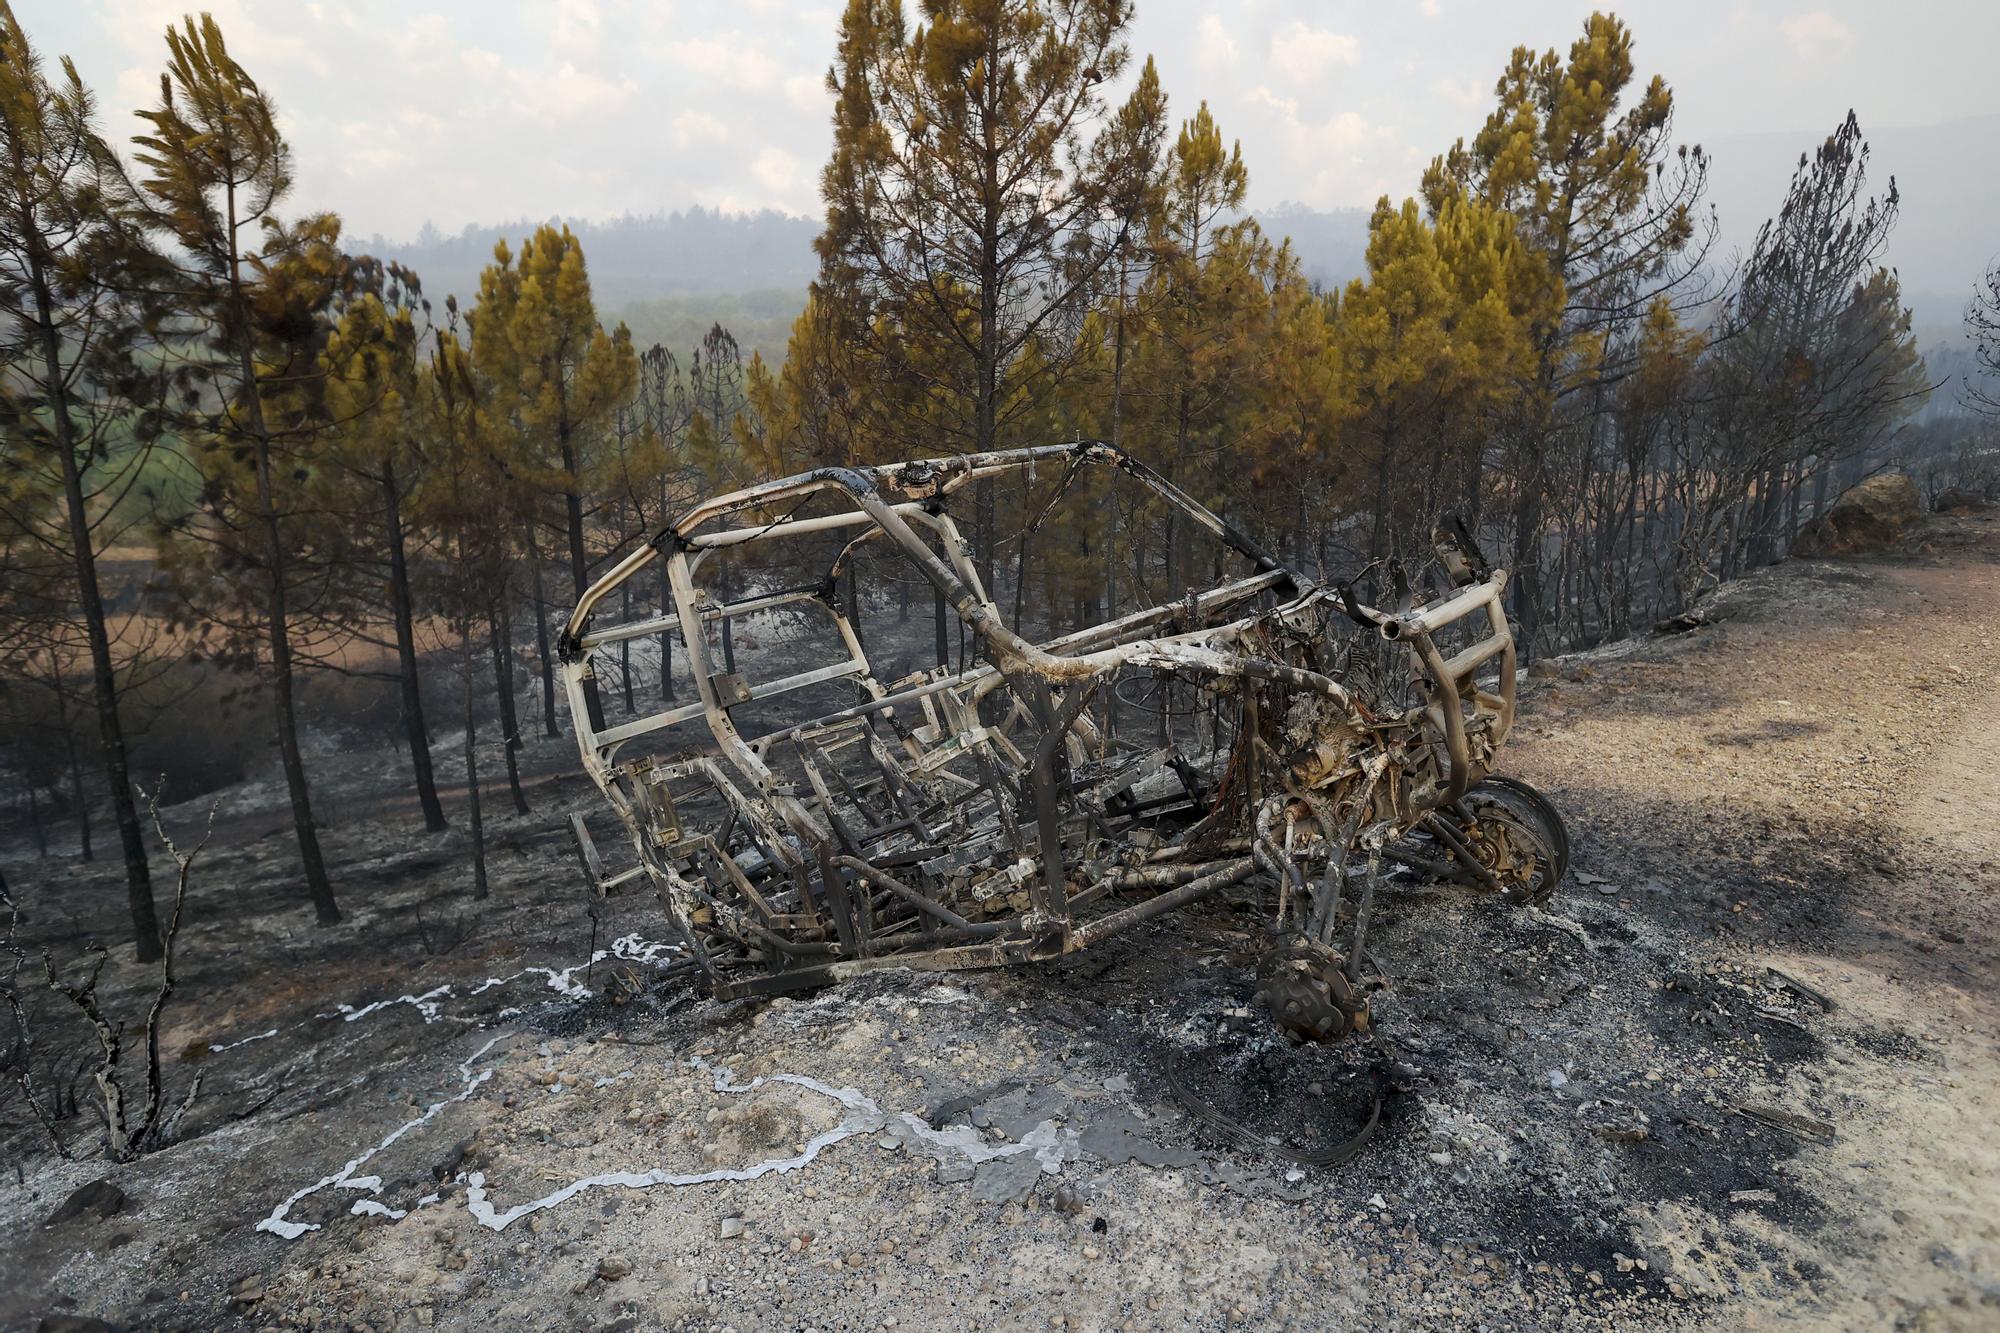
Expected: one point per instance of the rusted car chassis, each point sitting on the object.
(1268, 731)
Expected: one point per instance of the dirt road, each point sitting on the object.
(1743, 1073)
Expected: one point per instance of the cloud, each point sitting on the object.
(288, 39)
(576, 25)
(1816, 32)
(1458, 93)
(776, 170)
(1348, 131)
(1216, 47)
(369, 147)
(731, 59)
(1303, 54)
(692, 127)
(807, 92)
(570, 91)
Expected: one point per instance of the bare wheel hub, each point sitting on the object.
(1304, 987)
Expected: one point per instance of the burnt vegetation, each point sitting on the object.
(1077, 561)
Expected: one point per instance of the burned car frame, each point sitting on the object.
(997, 812)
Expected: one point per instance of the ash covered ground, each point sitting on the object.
(1741, 1073)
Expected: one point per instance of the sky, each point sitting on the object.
(450, 112)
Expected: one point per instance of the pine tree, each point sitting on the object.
(563, 378)
(1435, 342)
(370, 374)
(558, 382)
(1583, 158)
(255, 291)
(975, 192)
(1201, 308)
(466, 581)
(1813, 353)
(64, 203)
(1228, 349)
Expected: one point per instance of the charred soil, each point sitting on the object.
(1742, 1071)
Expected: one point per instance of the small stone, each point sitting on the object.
(885, 1246)
(1092, 1252)
(1441, 1158)
(732, 1227)
(1557, 1078)
(855, 1259)
(613, 1268)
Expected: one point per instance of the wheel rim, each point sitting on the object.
(1515, 843)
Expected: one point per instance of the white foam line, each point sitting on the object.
(242, 1041)
(864, 1116)
(630, 948)
(426, 1004)
(277, 1223)
(633, 949)
(370, 1207)
(1050, 1143)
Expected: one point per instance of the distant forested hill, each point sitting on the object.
(682, 254)
(761, 320)
(671, 276)
(1332, 246)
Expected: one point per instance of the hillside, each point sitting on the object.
(1739, 1074)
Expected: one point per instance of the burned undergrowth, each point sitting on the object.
(1632, 1107)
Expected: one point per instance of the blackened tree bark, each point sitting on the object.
(501, 633)
(406, 652)
(63, 188)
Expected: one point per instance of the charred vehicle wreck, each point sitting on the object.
(1038, 798)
